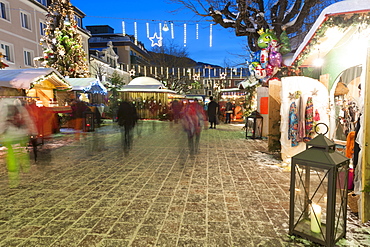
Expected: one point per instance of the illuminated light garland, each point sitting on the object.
(172, 31)
(135, 28)
(123, 28)
(184, 34)
(210, 35)
(197, 31)
(147, 30)
(160, 29)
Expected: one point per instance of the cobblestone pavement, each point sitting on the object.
(90, 193)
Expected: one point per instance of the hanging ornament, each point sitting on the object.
(123, 29)
(147, 30)
(165, 27)
(172, 31)
(160, 30)
(184, 34)
(156, 40)
(223, 75)
(197, 31)
(210, 35)
(135, 28)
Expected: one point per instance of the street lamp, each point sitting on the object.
(318, 192)
(253, 126)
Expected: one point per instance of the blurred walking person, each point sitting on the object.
(78, 109)
(193, 119)
(16, 127)
(212, 111)
(229, 110)
(127, 119)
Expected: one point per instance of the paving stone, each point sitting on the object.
(90, 193)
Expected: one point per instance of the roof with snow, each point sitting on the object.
(89, 85)
(25, 78)
(145, 84)
(339, 8)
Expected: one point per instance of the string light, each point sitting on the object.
(135, 28)
(184, 34)
(123, 28)
(197, 31)
(160, 29)
(172, 31)
(147, 30)
(210, 35)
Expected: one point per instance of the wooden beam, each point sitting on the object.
(274, 115)
(365, 199)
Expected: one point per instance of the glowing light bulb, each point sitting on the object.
(165, 27)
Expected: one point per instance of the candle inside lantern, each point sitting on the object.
(315, 221)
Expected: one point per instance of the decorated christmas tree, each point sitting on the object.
(62, 44)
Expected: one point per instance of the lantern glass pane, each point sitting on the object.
(250, 124)
(258, 130)
(341, 192)
(310, 200)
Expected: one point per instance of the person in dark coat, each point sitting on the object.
(229, 109)
(212, 112)
(127, 119)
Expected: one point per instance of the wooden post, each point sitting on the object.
(274, 102)
(365, 199)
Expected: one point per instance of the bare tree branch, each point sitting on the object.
(246, 17)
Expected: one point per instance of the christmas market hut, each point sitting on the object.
(39, 83)
(39, 89)
(90, 90)
(149, 95)
(336, 51)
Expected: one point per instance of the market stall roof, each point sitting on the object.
(89, 85)
(25, 78)
(246, 83)
(146, 84)
(332, 35)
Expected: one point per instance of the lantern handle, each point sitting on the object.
(327, 128)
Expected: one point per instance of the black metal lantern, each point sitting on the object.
(318, 192)
(88, 121)
(253, 126)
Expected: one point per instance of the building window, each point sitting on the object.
(42, 27)
(4, 10)
(43, 2)
(25, 20)
(28, 57)
(8, 51)
(78, 21)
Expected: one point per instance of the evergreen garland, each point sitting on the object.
(342, 22)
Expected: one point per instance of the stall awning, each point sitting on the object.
(27, 78)
(88, 85)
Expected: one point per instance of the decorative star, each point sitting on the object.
(156, 40)
(223, 75)
(196, 77)
(314, 92)
(291, 96)
(132, 72)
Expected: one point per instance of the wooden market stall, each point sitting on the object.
(39, 88)
(340, 40)
(149, 95)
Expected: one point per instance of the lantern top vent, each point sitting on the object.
(321, 141)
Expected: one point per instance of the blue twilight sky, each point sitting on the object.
(227, 49)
